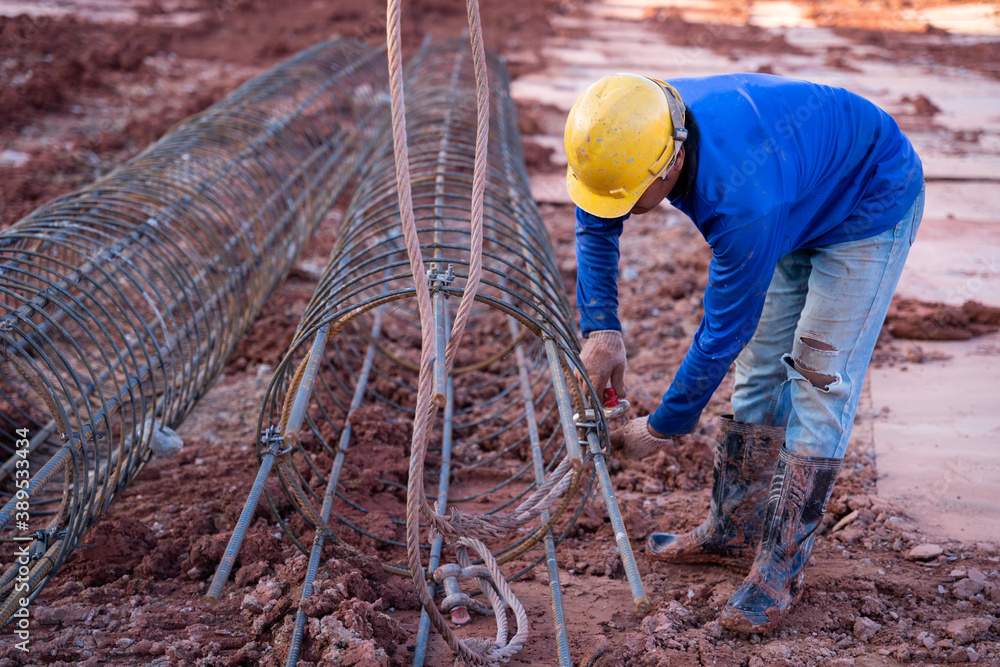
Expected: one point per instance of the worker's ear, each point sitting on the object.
(679, 162)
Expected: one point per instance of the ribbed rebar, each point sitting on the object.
(120, 302)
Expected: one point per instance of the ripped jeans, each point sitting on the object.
(806, 363)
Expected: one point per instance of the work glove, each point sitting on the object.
(603, 357)
(634, 440)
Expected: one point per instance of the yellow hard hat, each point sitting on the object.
(621, 134)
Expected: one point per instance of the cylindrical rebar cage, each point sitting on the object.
(121, 301)
(357, 348)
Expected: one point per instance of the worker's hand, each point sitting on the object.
(637, 440)
(604, 358)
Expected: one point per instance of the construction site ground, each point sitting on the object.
(906, 568)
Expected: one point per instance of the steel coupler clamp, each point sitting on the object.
(613, 407)
(441, 278)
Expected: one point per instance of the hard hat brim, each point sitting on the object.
(603, 206)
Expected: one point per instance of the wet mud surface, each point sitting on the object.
(879, 591)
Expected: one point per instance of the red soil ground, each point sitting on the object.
(133, 594)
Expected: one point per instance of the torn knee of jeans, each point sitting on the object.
(815, 340)
(811, 352)
(818, 380)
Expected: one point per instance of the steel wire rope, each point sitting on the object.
(482, 652)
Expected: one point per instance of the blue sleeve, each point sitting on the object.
(743, 262)
(597, 271)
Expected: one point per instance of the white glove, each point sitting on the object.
(603, 356)
(635, 441)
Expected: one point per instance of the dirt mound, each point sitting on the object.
(50, 66)
(922, 106)
(920, 320)
(912, 47)
(53, 61)
(112, 549)
(90, 87)
(725, 38)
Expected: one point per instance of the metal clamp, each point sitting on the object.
(589, 417)
(43, 541)
(274, 440)
(440, 279)
(459, 573)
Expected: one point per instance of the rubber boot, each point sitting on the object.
(795, 506)
(745, 457)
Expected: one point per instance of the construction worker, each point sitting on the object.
(810, 197)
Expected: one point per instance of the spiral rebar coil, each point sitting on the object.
(500, 396)
(122, 300)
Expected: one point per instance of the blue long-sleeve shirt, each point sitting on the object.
(779, 165)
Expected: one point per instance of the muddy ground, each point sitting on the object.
(91, 93)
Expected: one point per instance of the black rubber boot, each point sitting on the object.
(744, 465)
(795, 506)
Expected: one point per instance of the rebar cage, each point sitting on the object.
(502, 427)
(122, 300)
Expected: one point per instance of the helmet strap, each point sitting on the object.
(677, 118)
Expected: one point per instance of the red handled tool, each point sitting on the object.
(611, 399)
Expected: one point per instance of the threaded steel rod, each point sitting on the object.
(618, 525)
(225, 567)
(552, 566)
(423, 630)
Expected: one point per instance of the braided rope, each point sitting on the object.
(467, 528)
(479, 526)
(478, 182)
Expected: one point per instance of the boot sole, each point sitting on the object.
(745, 626)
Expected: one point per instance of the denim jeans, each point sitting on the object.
(806, 363)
